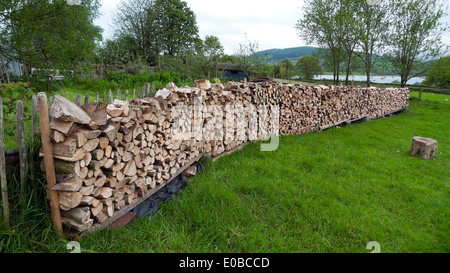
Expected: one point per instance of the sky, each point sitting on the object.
(270, 23)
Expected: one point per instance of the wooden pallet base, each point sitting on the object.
(139, 200)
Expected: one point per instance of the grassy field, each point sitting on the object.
(333, 191)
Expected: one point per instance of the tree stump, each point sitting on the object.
(425, 147)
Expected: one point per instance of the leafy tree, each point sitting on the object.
(137, 20)
(213, 50)
(415, 33)
(176, 24)
(166, 27)
(276, 69)
(119, 51)
(287, 66)
(328, 32)
(371, 24)
(309, 66)
(49, 34)
(439, 73)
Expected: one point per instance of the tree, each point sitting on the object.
(166, 27)
(328, 32)
(287, 65)
(213, 50)
(309, 66)
(49, 34)
(439, 73)
(249, 60)
(119, 51)
(176, 25)
(137, 20)
(415, 34)
(371, 24)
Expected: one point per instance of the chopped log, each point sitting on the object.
(98, 154)
(90, 133)
(64, 127)
(87, 200)
(96, 210)
(425, 147)
(101, 217)
(69, 200)
(130, 169)
(66, 148)
(71, 184)
(91, 145)
(57, 137)
(81, 215)
(114, 111)
(66, 110)
(70, 223)
(110, 132)
(104, 141)
(97, 112)
(105, 192)
(80, 138)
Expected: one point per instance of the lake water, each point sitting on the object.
(375, 79)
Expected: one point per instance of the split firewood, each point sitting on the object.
(71, 184)
(69, 200)
(81, 215)
(66, 110)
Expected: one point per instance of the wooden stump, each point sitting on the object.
(425, 147)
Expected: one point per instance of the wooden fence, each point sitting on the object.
(20, 117)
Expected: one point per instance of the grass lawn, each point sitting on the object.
(333, 191)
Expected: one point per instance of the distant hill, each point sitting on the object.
(293, 54)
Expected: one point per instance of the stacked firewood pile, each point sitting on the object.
(307, 108)
(106, 156)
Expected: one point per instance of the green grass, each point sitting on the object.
(333, 191)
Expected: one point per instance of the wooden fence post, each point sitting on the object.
(111, 98)
(33, 121)
(22, 148)
(78, 99)
(86, 99)
(3, 182)
(48, 162)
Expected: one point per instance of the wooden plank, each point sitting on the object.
(119, 94)
(140, 200)
(22, 147)
(49, 163)
(3, 182)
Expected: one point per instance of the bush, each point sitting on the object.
(11, 93)
(124, 81)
